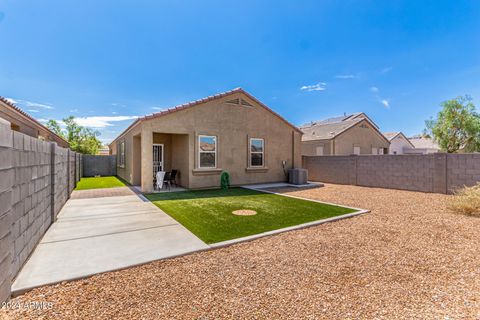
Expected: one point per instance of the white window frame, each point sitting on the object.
(374, 150)
(121, 154)
(319, 148)
(356, 148)
(200, 136)
(256, 152)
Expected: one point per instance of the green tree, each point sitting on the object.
(457, 126)
(81, 139)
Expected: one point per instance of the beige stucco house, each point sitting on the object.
(343, 135)
(399, 143)
(22, 122)
(231, 131)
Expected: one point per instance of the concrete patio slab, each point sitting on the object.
(94, 235)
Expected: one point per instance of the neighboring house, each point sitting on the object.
(231, 131)
(399, 143)
(103, 151)
(22, 122)
(423, 145)
(343, 135)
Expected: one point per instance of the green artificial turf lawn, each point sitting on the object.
(99, 182)
(208, 213)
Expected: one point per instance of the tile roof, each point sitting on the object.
(320, 131)
(198, 102)
(391, 135)
(421, 142)
(345, 117)
(29, 117)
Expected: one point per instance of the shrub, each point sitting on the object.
(466, 200)
(225, 180)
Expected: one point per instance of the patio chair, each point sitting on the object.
(173, 177)
(160, 176)
(168, 179)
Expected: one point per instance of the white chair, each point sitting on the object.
(160, 176)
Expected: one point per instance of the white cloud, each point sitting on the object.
(73, 110)
(102, 122)
(30, 104)
(387, 69)
(43, 120)
(32, 110)
(346, 76)
(36, 104)
(321, 86)
(159, 108)
(375, 91)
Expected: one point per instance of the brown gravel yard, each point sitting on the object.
(408, 258)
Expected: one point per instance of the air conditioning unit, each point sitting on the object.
(297, 176)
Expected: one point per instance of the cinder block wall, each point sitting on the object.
(439, 173)
(35, 182)
(94, 165)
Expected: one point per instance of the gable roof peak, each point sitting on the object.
(204, 100)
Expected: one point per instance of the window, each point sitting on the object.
(257, 150)
(121, 154)
(356, 150)
(381, 151)
(319, 151)
(14, 127)
(207, 151)
(374, 150)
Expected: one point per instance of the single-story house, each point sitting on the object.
(399, 143)
(343, 135)
(231, 131)
(22, 122)
(423, 145)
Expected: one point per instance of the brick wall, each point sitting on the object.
(35, 182)
(439, 173)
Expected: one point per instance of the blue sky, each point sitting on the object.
(106, 62)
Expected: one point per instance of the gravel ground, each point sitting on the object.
(409, 258)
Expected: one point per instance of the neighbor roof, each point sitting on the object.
(28, 117)
(345, 117)
(421, 142)
(327, 130)
(199, 102)
(392, 135)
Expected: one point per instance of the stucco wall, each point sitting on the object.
(233, 125)
(36, 178)
(439, 172)
(27, 126)
(309, 148)
(361, 135)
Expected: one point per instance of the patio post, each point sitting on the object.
(147, 159)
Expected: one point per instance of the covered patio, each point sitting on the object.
(159, 151)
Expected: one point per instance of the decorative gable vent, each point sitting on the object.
(245, 103)
(239, 102)
(234, 101)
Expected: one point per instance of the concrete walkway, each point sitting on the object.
(104, 231)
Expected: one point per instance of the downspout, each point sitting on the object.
(293, 149)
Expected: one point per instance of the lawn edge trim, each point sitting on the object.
(227, 243)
